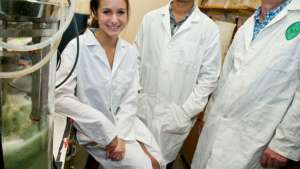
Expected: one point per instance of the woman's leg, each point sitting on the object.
(91, 163)
(154, 162)
(134, 157)
(170, 165)
(149, 145)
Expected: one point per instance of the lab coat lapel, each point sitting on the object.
(294, 5)
(166, 20)
(195, 17)
(277, 18)
(120, 53)
(94, 45)
(102, 56)
(248, 32)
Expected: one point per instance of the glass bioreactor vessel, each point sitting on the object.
(30, 32)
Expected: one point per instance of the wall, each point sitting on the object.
(138, 9)
(82, 6)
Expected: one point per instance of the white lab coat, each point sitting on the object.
(257, 102)
(178, 74)
(105, 103)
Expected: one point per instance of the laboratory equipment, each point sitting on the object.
(29, 36)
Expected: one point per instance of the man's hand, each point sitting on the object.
(115, 150)
(271, 159)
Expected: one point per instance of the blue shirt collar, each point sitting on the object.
(272, 13)
(260, 25)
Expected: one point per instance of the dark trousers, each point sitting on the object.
(170, 165)
(91, 163)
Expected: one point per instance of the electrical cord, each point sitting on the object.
(76, 59)
(54, 164)
(58, 60)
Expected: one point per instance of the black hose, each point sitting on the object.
(53, 163)
(58, 60)
(77, 55)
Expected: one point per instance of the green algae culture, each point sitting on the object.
(25, 142)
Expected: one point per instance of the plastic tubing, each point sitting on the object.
(48, 41)
(41, 63)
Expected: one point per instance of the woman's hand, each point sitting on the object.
(116, 149)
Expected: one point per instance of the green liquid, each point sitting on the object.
(25, 142)
(27, 154)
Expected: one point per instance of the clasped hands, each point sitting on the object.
(115, 150)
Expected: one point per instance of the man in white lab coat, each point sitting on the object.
(252, 119)
(180, 63)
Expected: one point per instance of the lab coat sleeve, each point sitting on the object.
(207, 78)
(227, 66)
(138, 44)
(89, 120)
(139, 39)
(126, 116)
(286, 140)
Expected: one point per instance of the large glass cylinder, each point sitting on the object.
(27, 100)
(26, 104)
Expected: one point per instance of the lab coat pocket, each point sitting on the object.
(259, 125)
(177, 122)
(182, 70)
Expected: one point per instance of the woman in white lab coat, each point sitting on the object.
(106, 85)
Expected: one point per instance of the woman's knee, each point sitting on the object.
(136, 158)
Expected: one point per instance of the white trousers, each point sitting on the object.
(134, 158)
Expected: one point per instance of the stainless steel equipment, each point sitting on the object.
(29, 36)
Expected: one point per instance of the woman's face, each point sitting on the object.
(112, 17)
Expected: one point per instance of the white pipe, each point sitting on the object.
(48, 41)
(55, 38)
(24, 72)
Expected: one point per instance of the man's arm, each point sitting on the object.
(286, 142)
(207, 78)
